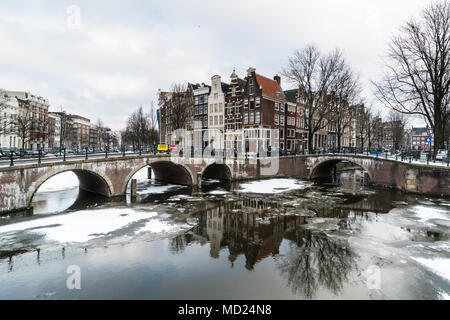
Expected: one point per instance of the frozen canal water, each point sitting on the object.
(268, 239)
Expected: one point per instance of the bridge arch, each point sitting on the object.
(165, 171)
(220, 171)
(90, 181)
(325, 167)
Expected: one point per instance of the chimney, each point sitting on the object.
(277, 79)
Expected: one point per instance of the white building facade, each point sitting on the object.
(216, 114)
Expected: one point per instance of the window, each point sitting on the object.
(216, 95)
(215, 107)
(246, 118)
(278, 95)
(233, 91)
(258, 117)
(238, 108)
(245, 103)
(250, 81)
(205, 121)
(230, 108)
(258, 102)
(215, 120)
(252, 117)
(276, 119)
(252, 104)
(252, 90)
(281, 133)
(221, 120)
(281, 120)
(196, 100)
(298, 122)
(220, 108)
(277, 107)
(282, 107)
(210, 120)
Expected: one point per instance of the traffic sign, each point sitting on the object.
(428, 140)
(173, 147)
(163, 147)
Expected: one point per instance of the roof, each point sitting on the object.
(419, 131)
(241, 82)
(291, 95)
(270, 87)
(225, 87)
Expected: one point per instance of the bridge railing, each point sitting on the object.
(66, 154)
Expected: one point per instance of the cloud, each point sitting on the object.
(123, 52)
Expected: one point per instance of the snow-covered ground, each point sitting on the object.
(83, 226)
(271, 186)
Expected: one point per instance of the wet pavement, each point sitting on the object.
(267, 239)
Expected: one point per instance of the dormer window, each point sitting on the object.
(278, 95)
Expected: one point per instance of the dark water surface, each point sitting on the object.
(297, 240)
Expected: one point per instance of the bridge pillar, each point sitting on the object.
(133, 190)
(199, 179)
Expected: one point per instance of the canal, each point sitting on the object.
(268, 239)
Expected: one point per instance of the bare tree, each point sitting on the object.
(396, 128)
(137, 130)
(417, 77)
(180, 106)
(66, 129)
(314, 73)
(362, 116)
(24, 124)
(345, 92)
(101, 133)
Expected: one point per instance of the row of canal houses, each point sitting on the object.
(245, 115)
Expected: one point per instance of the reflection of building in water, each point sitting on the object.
(237, 226)
(214, 229)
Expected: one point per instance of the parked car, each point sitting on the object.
(441, 154)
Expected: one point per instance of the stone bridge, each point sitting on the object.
(109, 177)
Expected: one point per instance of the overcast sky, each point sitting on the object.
(122, 52)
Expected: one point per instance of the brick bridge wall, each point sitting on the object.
(109, 177)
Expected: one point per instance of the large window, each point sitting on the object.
(252, 117)
(258, 117)
(252, 104)
(246, 118)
